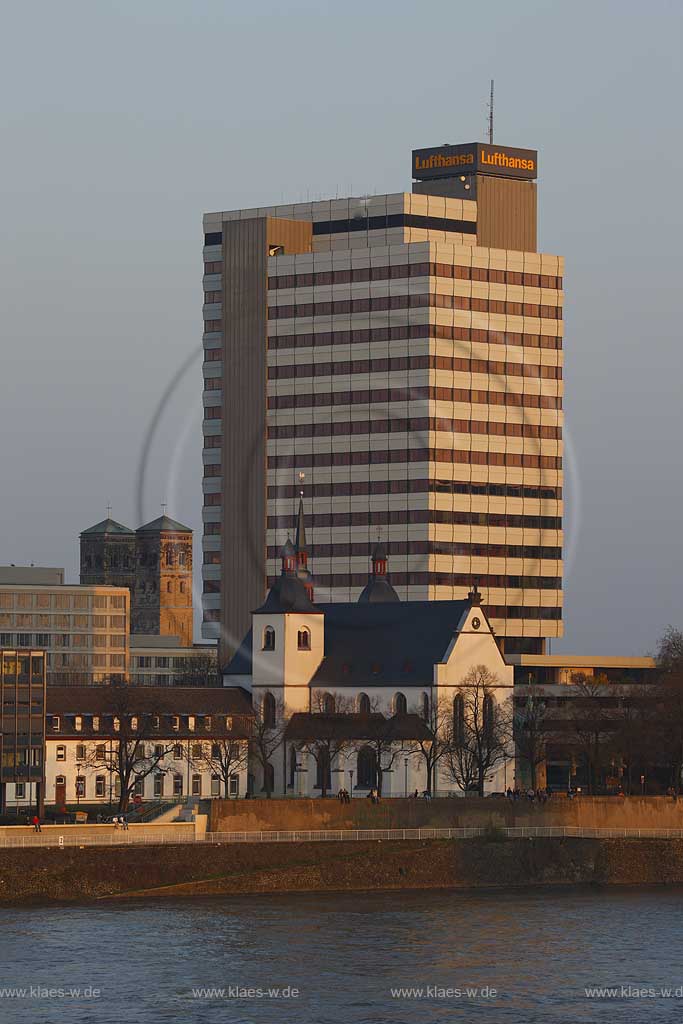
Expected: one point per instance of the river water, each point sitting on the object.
(485, 957)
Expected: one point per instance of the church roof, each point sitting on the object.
(385, 643)
(108, 526)
(304, 726)
(164, 524)
(371, 645)
(287, 594)
(378, 590)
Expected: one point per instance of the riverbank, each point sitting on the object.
(88, 874)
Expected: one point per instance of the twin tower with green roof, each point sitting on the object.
(154, 562)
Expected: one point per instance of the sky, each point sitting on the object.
(122, 123)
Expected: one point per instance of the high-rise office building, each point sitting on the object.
(404, 353)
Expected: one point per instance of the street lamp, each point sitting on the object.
(351, 775)
(405, 775)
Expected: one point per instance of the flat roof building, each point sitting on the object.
(404, 353)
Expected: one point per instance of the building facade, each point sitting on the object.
(22, 728)
(83, 630)
(180, 739)
(155, 563)
(404, 353)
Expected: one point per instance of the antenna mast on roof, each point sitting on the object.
(491, 115)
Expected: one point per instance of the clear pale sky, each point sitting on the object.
(122, 123)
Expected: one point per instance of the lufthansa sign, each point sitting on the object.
(475, 158)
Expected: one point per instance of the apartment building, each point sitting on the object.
(398, 358)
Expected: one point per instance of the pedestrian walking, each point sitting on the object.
(36, 823)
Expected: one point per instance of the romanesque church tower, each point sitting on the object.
(108, 555)
(162, 596)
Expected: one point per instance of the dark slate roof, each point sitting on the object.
(108, 526)
(377, 590)
(368, 644)
(383, 644)
(287, 594)
(288, 549)
(379, 552)
(164, 523)
(303, 727)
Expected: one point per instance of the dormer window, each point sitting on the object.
(175, 723)
(303, 641)
(56, 723)
(96, 723)
(207, 722)
(117, 724)
(190, 723)
(155, 722)
(78, 723)
(134, 723)
(268, 639)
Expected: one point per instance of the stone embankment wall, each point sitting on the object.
(588, 812)
(94, 873)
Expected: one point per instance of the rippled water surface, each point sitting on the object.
(530, 957)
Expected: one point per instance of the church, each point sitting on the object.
(352, 694)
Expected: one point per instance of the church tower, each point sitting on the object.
(108, 555)
(162, 598)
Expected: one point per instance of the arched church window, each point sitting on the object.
(328, 704)
(304, 639)
(363, 704)
(268, 639)
(425, 706)
(400, 704)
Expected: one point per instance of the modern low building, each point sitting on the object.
(22, 729)
(164, 661)
(82, 629)
(404, 353)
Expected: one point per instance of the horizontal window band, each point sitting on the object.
(534, 552)
(379, 303)
(318, 460)
(396, 364)
(413, 425)
(422, 392)
(406, 517)
(400, 271)
(405, 332)
(422, 486)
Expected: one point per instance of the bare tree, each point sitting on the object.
(532, 728)
(482, 733)
(129, 755)
(223, 757)
(199, 670)
(437, 715)
(592, 719)
(330, 740)
(385, 739)
(266, 735)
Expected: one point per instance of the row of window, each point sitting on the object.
(79, 602)
(396, 364)
(345, 307)
(462, 580)
(367, 396)
(61, 640)
(95, 722)
(409, 332)
(320, 460)
(410, 425)
(111, 786)
(434, 547)
(410, 486)
(406, 270)
(401, 517)
(303, 639)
